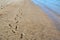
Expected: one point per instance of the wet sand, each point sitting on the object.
(26, 21)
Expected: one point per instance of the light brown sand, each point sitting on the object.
(25, 21)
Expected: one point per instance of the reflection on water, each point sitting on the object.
(52, 9)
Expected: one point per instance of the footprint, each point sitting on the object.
(13, 31)
(17, 21)
(10, 25)
(21, 36)
(1, 8)
(15, 18)
(16, 28)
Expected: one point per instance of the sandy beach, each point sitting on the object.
(26, 21)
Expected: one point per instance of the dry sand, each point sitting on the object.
(25, 21)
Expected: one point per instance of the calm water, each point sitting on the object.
(51, 8)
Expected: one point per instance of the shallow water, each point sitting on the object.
(51, 8)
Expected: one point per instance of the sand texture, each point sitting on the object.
(26, 21)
